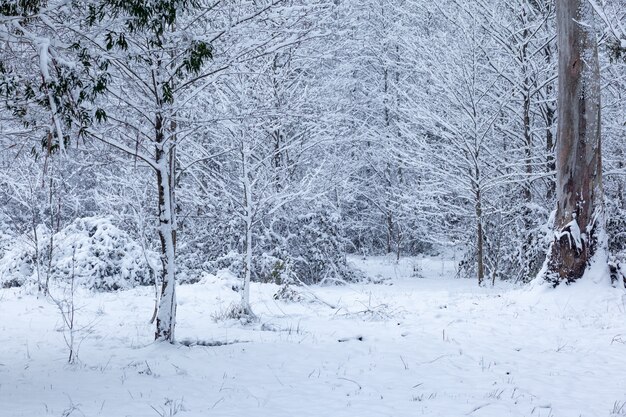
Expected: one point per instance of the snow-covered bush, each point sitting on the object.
(304, 248)
(288, 293)
(293, 248)
(17, 265)
(514, 245)
(307, 248)
(616, 232)
(317, 251)
(5, 235)
(525, 237)
(616, 226)
(98, 254)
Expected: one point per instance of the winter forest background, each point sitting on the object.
(163, 141)
(324, 128)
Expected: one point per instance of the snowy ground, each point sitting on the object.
(409, 346)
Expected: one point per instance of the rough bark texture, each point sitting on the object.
(578, 162)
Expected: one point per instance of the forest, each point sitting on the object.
(312, 207)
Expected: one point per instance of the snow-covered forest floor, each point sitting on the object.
(409, 344)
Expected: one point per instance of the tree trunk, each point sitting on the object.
(580, 219)
(526, 105)
(247, 189)
(480, 255)
(389, 222)
(549, 113)
(166, 316)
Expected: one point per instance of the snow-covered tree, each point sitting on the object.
(580, 222)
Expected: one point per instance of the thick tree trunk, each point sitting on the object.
(579, 220)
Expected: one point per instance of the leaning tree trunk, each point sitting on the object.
(579, 220)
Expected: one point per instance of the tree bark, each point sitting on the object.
(548, 114)
(166, 316)
(580, 219)
(247, 189)
(480, 239)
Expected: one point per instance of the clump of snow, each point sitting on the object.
(593, 289)
(92, 250)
